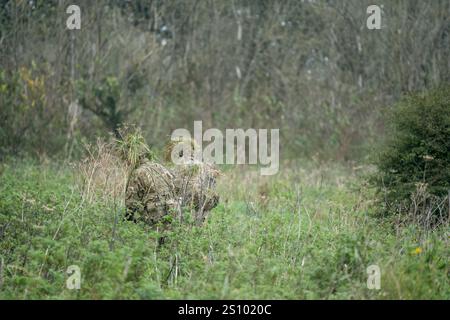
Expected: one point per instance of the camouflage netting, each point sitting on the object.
(156, 193)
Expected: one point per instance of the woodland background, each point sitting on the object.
(310, 68)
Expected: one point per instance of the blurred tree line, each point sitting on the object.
(310, 68)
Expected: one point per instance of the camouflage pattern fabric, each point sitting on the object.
(195, 184)
(150, 194)
(157, 194)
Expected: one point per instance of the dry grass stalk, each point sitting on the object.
(424, 209)
(102, 173)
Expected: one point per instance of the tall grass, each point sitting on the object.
(307, 233)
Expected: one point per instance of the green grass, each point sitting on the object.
(304, 234)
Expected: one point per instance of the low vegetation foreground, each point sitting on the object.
(309, 234)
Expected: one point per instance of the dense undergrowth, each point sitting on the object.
(307, 233)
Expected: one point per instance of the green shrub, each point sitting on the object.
(416, 153)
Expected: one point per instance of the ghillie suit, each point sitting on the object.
(195, 185)
(156, 193)
(150, 194)
(195, 181)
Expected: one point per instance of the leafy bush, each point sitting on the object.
(416, 153)
(27, 124)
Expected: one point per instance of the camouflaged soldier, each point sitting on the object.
(195, 181)
(150, 194)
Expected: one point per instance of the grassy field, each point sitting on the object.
(309, 232)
